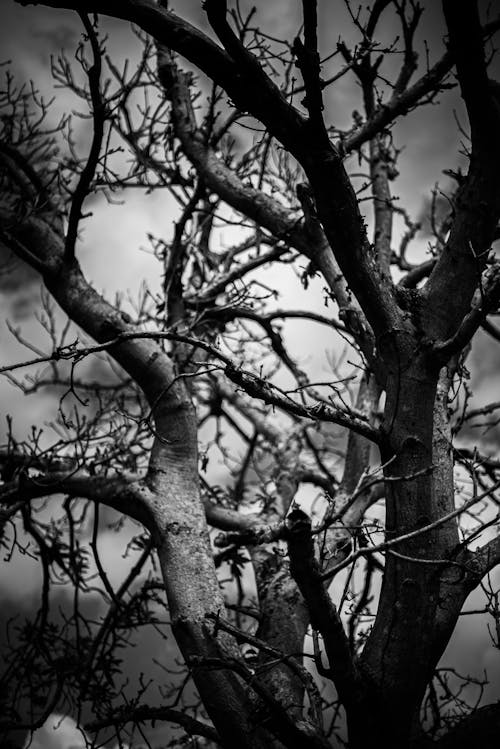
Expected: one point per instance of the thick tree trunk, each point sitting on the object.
(405, 645)
(177, 517)
(192, 589)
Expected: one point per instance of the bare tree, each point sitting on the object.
(249, 157)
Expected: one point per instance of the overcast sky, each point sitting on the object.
(111, 253)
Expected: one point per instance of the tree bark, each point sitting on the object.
(423, 589)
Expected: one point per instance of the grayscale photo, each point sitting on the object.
(249, 374)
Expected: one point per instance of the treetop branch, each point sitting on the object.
(335, 199)
(260, 96)
(308, 61)
(98, 118)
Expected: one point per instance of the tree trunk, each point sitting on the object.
(403, 649)
(177, 518)
(191, 584)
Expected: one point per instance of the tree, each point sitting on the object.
(261, 179)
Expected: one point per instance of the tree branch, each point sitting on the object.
(279, 720)
(477, 202)
(98, 118)
(307, 237)
(398, 105)
(324, 617)
(335, 199)
(467, 49)
(252, 384)
(143, 713)
(386, 545)
(403, 102)
(487, 557)
(308, 61)
(257, 93)
(264, 210)
(487, 301)
(126, 495)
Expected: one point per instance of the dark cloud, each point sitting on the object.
(14, 274)
(58, 37)
(29, 35)
(19, 285)
(29, 29)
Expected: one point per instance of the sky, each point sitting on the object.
(113, 248)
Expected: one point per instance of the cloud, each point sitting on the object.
(58, 732)
(57, 37)
(31, 29)
(19, 285)
(483, 363)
